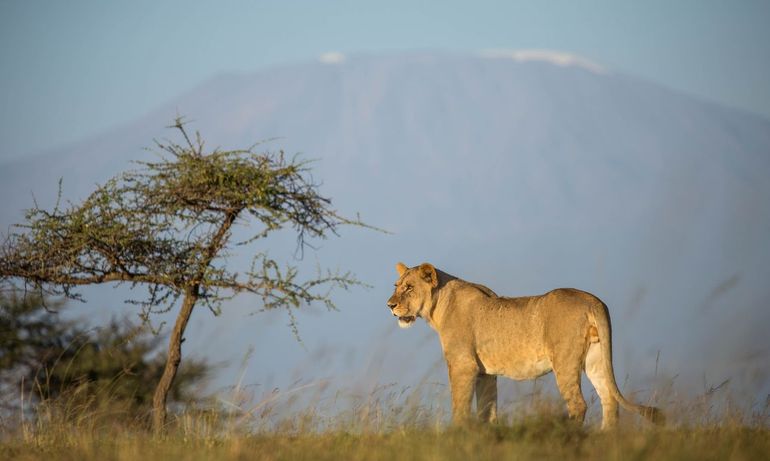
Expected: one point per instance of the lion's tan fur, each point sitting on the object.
(484, 335)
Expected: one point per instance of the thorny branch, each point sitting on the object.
(168, 224)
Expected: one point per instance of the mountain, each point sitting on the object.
(519, 171)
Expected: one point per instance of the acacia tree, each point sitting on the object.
(168, 225)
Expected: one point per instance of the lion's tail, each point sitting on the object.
(602, 319)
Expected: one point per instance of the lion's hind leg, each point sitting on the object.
(596, 372)
(568, 382)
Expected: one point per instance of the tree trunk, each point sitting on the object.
(172, 361)
(175, 343)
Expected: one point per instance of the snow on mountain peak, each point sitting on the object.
(558, 58)
(332, 57)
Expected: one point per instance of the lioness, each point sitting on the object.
(484, 335)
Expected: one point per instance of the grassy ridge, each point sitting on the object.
(533, 440)
(385, 424)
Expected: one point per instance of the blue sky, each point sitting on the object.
(72, 69)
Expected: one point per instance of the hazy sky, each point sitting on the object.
(72, 69)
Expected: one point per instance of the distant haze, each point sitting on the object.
(525, 173)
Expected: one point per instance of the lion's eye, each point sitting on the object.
(408, 288)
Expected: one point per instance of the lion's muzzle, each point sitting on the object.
(404, 321)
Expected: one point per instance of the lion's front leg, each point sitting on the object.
(462, 380)
(486, 398)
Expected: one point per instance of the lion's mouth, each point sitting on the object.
(406, 321)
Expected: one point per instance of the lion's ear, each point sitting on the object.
(401, 268)
(428, 273)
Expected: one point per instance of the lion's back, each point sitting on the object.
(535, 318)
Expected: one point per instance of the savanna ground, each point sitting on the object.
(303, 423)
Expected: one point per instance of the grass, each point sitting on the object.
(384, 425)
(531, 440)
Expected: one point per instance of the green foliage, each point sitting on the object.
(168, 224)
(44, 358)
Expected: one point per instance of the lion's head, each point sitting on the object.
(413, 293)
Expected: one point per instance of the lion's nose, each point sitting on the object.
(392, 305)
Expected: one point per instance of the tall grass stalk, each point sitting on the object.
(311, 421)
